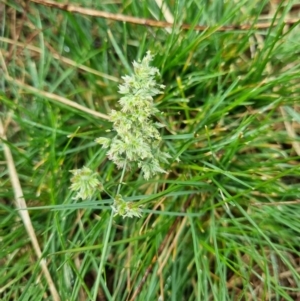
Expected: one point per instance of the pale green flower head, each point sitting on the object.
(137, 138)
(85, 182)
(125, 209)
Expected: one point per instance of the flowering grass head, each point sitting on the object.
(137, 139)
(85, 182)
(125, 209)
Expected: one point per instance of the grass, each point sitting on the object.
(223, 224)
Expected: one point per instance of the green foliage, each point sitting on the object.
(223, 223)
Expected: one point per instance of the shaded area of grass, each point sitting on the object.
(223, 224)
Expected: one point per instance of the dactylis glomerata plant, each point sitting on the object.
(137, 139)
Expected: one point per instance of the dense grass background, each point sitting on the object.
(223, 224)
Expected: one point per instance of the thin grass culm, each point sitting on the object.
(137, 140)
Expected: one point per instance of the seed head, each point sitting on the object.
(137, 138)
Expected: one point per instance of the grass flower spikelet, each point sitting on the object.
(85, 183)
(125, 209)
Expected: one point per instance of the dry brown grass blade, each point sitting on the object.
(20, 204)
(153, 23)
(277, 203)
(55, 97)
(59, 58)
(166, 13)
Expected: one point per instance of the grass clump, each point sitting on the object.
(222, 224)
